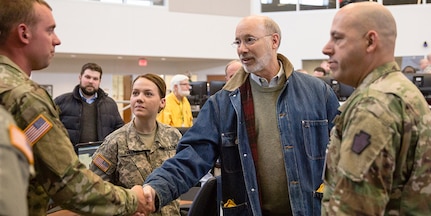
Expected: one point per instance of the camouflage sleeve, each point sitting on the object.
(366, 161)
(104, 162)
(58, 169)
(14, 168)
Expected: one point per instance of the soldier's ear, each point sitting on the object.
(162, 104)
(23, 32)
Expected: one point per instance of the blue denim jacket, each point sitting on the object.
(305, 107)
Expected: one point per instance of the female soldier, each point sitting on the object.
(128, 155)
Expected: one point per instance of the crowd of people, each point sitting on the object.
(273, 139)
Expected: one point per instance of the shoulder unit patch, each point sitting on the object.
(361, 142)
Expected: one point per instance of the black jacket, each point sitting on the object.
(108, 117)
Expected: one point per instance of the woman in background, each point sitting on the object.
(128, 155)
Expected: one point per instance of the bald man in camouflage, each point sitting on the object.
(379, 157)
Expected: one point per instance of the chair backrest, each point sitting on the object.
(205, 201)
(183, 130)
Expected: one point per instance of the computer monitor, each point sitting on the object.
(198, 93)
(86, 151)
(215, 86)
(423, 82)
(199, 88)
(326, 79)
(409, 76)
(342, 90)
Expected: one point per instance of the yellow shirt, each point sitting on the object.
(176, 113)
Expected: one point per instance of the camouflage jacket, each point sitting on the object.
(379, 158)
(125, 159)
(59, 174)
(16, 163)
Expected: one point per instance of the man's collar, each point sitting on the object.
(273, 82)
(87, 100)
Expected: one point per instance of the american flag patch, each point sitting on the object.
(39, 127)
(19, 140)
(101, 162)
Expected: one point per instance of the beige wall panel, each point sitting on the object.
(238, 8)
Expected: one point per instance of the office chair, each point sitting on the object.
(205, 201)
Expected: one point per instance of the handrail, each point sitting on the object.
(124, 102)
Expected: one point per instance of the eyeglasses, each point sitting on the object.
(185, 84)
(248, 41)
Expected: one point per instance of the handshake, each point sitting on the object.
(146, 196)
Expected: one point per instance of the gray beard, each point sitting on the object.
(184, 93)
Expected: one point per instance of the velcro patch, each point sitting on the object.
(361, 142)
(19, 141)
(39, 127)
(101, 162)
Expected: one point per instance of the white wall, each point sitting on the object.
(305, 33)
(103, 28)
(65, 82)
(97, 28)
(63, 74)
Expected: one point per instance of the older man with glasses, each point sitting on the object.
(269, 126)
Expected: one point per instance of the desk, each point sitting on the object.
(186, 199)
(63, 213)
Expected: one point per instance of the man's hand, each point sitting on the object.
(146, 197)
(150, 196)
(138, 190)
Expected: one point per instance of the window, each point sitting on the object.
(294, 5)
(135, 2)
(301, 5)
(400, 2)
(316, 4)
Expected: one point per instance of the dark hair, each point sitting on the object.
(320, 69)
(14, 12)
(93, 67)
(409, 69)
(156, 79)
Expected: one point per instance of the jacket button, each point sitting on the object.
(252, 190)
(245, 155)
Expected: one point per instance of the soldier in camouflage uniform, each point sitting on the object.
(27, 42)
(16, 165)
(129, 154)
(379, 158)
